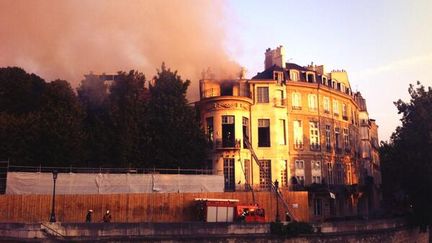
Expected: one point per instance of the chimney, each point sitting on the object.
(275, 57)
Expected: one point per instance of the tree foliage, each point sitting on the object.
(177, 140)
(407, 158)
(40, 123)
(121, 124)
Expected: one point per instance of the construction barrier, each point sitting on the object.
(145, 207)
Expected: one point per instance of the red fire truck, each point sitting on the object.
(228, 210)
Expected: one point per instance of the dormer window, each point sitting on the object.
(348, 91)
(294, 75)
(310, 78)
(324, 80)
(342, 88)
(278, 76)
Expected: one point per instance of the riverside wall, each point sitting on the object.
(197, 232)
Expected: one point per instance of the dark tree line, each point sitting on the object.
(407, 159)
(122, 124)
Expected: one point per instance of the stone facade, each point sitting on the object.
(307, 128)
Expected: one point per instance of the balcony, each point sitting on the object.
(338, 150)
(347, 150)
(279, 102)
(298, 108)
(345, 117)
(228, 144)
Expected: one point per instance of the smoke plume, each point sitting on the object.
(66, 39)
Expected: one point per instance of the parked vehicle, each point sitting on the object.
(228, 210)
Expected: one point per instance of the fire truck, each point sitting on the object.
(228, 210)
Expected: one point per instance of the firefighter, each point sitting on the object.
(89, 216)
(107, 217)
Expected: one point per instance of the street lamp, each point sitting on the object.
(276, 184)
(52, 216)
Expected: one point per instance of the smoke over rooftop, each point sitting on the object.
(66, 39)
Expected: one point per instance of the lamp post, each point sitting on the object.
(276, 184)
(52, 216)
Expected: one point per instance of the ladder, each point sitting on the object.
(272, 185)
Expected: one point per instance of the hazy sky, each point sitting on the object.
(384, 45)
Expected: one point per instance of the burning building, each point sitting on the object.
(298, 125)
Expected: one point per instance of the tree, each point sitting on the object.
(407, 158)
(59, 126)
(176, 138)
(20, 92)
(127, 107)
(40, 123)
(93, 96)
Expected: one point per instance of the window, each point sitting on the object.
(339, 173)
(324, 80)
(313, 104)
(344, 112)
(263, 95)
(346, 139)
(310, 78)
(337, 142)
(278, 76)
(263, 132)
(299, 164)
(265, 174)
(300, 180)
(298, 134)
(327, 137)
(336, 107)
(229, 174)
(294, 75)
(210, 130)
(314, 136)
(317, 206)
(280, 99)
(245, 123)
(296, 101)
(284, 174)
(330, 173)
(316, 171)
(282, 133)
(327, 105)
(316, 165)
(342, 87)
(228, 131)
(226, 89)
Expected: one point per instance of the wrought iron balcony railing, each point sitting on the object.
(228, 144)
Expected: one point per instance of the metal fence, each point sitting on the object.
(16, 168)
